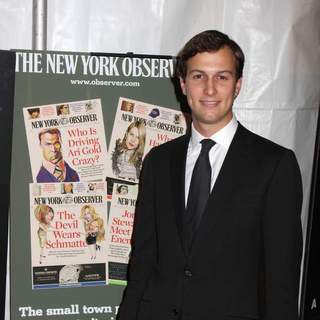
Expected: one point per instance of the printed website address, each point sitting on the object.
(97, 82)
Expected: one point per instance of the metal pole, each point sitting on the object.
(39, 25)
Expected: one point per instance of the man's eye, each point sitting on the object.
(197, 76)
(222, 77)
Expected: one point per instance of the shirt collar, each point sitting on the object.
(49, 166)
(222, 137)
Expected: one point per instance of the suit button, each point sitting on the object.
(188, 273)
(175, 312)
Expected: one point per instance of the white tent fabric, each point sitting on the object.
(281, 40)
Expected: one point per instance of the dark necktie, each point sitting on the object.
(199, 191)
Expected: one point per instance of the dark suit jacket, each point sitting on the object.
(45, 176)
(245, 258)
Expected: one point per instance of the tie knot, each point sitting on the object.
(207, 144)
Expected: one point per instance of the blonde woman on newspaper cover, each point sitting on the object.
(94, 229)
(44, 214)
(128, 152)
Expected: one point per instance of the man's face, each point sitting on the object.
(211, 87)
(51, 147)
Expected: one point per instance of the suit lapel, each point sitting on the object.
(178, 166)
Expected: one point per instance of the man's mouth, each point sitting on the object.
(210, 103)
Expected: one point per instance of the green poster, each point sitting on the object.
(81, 123)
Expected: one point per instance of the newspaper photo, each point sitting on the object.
(138, 127)
(119, 233)
(67, 234)
(66, 141)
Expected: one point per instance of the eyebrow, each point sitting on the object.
(218, 72)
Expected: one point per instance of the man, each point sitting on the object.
(231, 254)
(54, 168)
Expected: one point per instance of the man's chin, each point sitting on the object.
(214, 120)
(55, 160)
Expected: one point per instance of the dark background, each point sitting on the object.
(7, 65)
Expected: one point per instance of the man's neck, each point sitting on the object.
(208, 130)
(51, 166)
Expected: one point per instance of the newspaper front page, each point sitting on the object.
(67, 229)
(138, 127)
(66, 141)
(120, 226)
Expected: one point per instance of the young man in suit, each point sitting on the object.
(217, 233)
(54, 168)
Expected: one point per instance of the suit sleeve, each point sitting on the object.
(144, 250)
(282, 235)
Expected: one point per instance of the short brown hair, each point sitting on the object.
(208, 41)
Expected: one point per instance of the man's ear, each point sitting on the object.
(183, 86)
(238, 87)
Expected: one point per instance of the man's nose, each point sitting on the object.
(210, 86)
(55, 147)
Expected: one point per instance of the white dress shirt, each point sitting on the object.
(217, 154)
